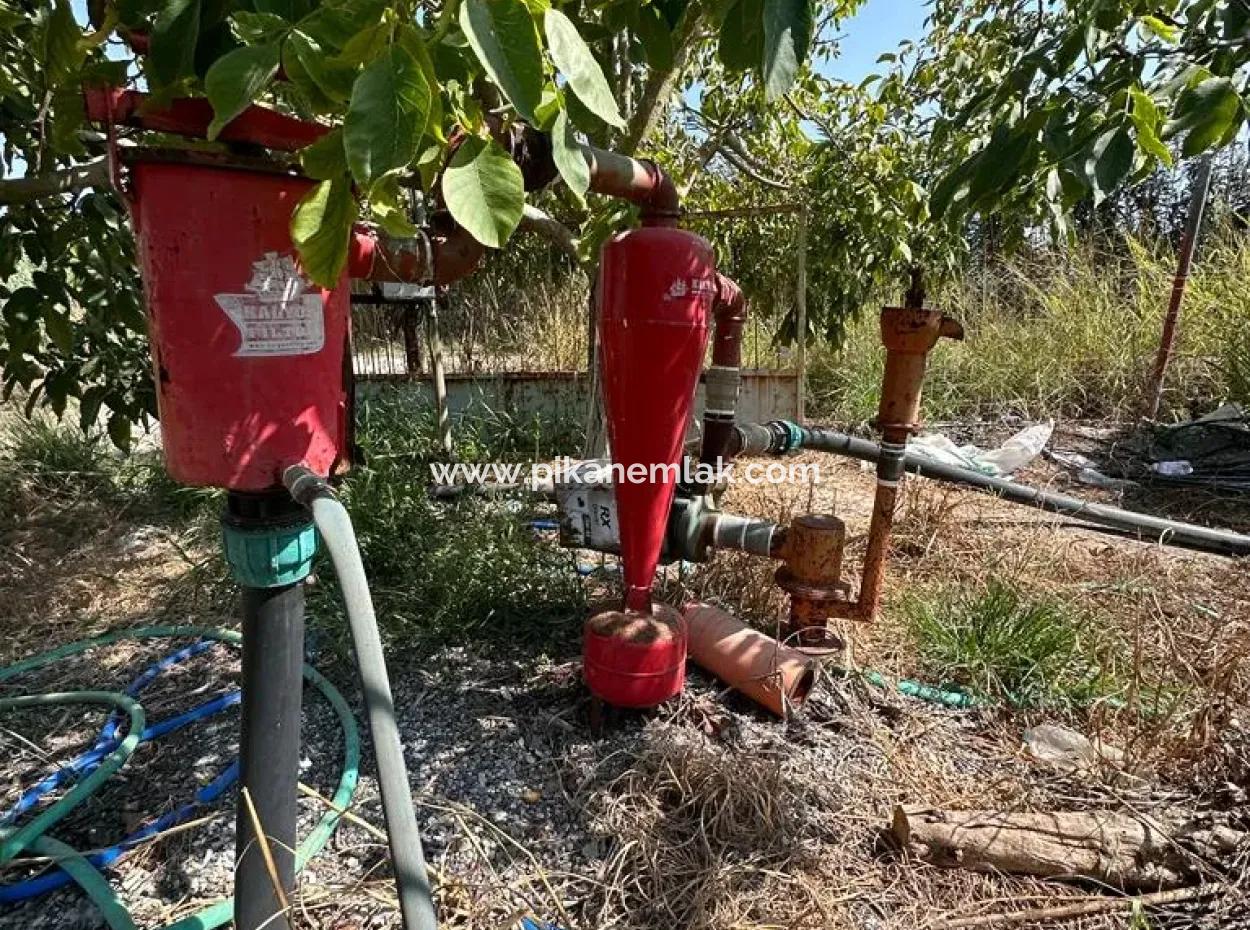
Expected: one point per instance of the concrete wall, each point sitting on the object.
(766, 395)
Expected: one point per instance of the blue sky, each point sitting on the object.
(878, 27)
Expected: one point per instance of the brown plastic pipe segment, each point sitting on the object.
(774, 676)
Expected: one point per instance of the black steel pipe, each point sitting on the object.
(1137, 525)
(269, 751)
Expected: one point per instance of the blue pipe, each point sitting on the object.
(108, 739)
(105, 743)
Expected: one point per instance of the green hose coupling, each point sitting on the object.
(788, 436)
(270, 557)
(269, 539)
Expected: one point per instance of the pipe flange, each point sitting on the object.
(839, 592)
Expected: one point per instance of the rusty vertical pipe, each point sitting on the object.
(908, 334)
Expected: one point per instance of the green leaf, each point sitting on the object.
(502, 35)
(1165, 31)
(1206, 112)
(576, 63)
(257, 28)
(325, 158)
(62, 53)
(569, 159)
(741, 43)
(290, 10)
(787, 37)
(321, 228)
(1145, 116)
(389, 204)
(484, 191)
(175, 34)
(237, 79)
(60, 331)
(1111, 159)
(331, 77)
(411, 40)
(998, 164)
(387, 115)
(119, 431)
(656, 37)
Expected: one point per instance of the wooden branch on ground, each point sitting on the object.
(1034, 915)
(1119, 849)
(93, 173)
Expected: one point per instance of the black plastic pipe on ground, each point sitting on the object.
(269, 751)
(780, 436)
(1137, 525)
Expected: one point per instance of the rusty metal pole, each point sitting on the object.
(909, 334)
(800, 298)
(1189, 241)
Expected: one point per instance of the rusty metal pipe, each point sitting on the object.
(639, 181)
(774, 676)
(437, 256)
(908, 334)
(812, 575)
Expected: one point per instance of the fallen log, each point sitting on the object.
(1116, 848)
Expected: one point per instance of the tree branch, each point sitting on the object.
(68, 181)
(660, 84)
(544, 224)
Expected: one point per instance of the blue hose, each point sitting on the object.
(105, 743)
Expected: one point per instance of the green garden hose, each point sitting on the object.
(88, 878)
(14, 840)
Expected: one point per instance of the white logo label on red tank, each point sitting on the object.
(682, 287)
(278, 315)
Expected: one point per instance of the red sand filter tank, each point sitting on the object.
(249, 354)
(656, 287)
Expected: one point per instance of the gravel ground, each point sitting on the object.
(705, 815)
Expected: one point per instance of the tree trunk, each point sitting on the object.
(1116, 848)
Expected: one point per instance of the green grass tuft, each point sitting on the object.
(1000, 645)
(449, 572)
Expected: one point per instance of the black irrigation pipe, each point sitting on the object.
(1135, 525)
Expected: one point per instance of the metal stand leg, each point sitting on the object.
(269, 544)
(269, 747)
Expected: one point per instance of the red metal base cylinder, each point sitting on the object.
(635, 660)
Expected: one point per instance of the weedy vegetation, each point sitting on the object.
(999, 644)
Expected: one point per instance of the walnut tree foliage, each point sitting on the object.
(1009, 108)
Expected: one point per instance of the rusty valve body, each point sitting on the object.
(812, 575)
(909, 335)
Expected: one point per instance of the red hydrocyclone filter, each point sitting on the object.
(656, 288)
(249, 354)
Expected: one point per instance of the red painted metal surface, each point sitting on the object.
(656, 287)
(249, 355)
(635, 660)
(190, 116)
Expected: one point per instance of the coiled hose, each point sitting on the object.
(33, 836)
